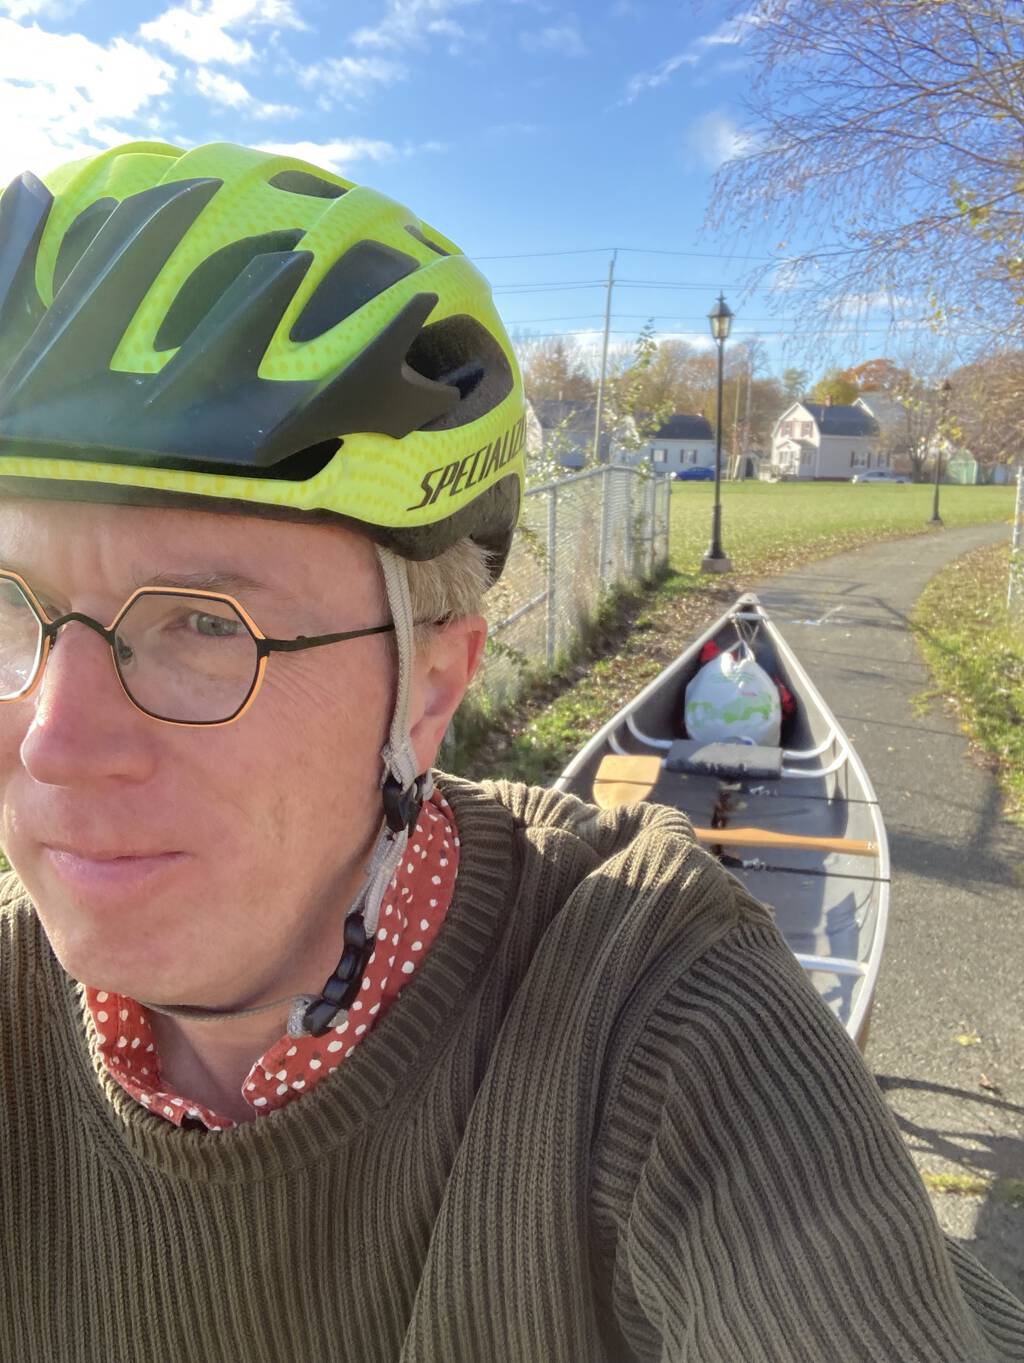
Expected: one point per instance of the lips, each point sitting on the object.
(90, 854)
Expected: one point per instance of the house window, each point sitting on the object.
(807, 428)
(661, 456)
(693, 456)
(858, 460)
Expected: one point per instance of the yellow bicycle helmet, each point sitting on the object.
(240, 327)
(237, 330)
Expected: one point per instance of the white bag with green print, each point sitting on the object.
(732, 698)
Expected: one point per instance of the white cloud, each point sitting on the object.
(337, 156)
(650, 80)
(716, 138)
(446, 28)
(39, 9)
(406, 22)
(700, 340)
(199, 31)
(222, 89)
(232, 94)
(345, 80)
(63, 96)
(340, 155)
(730, 33)
(564, 39)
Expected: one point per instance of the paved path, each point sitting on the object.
(954, 959)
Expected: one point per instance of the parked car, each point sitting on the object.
(879, 476)
(698, 474)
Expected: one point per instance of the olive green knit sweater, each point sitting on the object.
(609, 1120)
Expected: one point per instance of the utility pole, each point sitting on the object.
(734, 461)
(604, 360)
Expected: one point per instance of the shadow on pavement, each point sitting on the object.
(997, 1237)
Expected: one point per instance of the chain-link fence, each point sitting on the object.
(578, 537)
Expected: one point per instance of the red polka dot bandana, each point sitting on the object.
(411, 914)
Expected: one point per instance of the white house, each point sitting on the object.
(567, 432)
(830, 441)
(683, 442)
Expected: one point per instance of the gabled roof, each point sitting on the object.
(682, 426)
(553, 411)
(840, 419)
(886, 410)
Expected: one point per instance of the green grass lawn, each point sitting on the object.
(977, 657)
(766, 526)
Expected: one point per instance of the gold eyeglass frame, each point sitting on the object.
(264, 644)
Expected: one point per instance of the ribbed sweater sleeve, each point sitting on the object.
(755, 1197)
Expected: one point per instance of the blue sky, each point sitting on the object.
(517, 127)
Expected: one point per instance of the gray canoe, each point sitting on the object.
(831, 907)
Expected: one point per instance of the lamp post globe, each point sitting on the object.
(716, 560)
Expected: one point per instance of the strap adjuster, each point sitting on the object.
(402, 807)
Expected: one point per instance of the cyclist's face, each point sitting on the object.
(259, 827)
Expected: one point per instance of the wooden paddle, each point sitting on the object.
(625, 780)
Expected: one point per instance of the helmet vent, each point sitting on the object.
(421, 237)
(208, 281)
(460, 352)
(79, 236)
(363, 272)
(301, 182)
(303, 465)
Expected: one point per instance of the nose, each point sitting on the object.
(84, 729)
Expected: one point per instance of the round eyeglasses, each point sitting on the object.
(182, 655)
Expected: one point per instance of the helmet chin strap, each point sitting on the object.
(403, 790)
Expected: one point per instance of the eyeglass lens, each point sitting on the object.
(187, 659)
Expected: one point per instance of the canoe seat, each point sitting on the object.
(733, 761)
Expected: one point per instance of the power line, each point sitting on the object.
(634, 250)
(771, 332)
(631, 316)
(558, 284)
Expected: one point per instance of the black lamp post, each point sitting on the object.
(716, 560)
(945, 391)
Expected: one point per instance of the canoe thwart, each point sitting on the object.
(625, 779)
(729, 761)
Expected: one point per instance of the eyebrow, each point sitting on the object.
(227, 583)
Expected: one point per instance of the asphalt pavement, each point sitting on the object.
(953, 965)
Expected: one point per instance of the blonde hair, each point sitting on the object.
(449, 586)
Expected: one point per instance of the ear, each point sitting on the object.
(444, 666)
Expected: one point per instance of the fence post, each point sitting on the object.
(668, 522)
(1015, 590)
(602, 551)
(629, 566)
(552, 618)
(651, 517)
